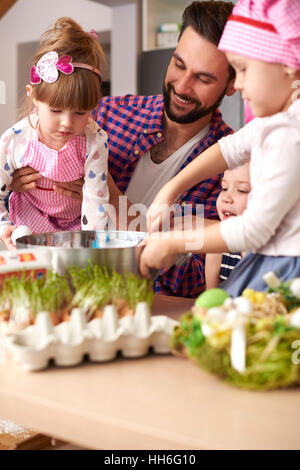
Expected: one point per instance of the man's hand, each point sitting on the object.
(71, 189)
(6, 237)
(24, 179)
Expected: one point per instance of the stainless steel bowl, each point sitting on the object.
(78, 248)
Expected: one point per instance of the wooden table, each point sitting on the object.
(158, 402)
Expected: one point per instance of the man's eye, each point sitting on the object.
(202, 80)
(179, 65)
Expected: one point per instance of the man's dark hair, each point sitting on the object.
(208, 18)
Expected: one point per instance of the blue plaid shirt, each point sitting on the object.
(134, 125)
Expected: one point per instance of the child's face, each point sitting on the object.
(57, 126)
(266, 86)
(233, 197)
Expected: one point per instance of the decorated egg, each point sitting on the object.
(211, 298)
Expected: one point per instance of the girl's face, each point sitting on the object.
(233, 197)
(57, 126)
(266, 86)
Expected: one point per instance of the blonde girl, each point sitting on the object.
(262, 42)
(58, 138)
(231, 202)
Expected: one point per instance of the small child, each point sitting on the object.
(58, 138)
(261, 40)
(232, 201)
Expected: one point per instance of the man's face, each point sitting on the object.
(196, 79)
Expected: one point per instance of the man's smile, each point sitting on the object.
(182, 100)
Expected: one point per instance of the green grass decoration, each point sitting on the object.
(88, 288)
(269, 352)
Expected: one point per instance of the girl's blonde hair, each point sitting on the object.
(81, 90)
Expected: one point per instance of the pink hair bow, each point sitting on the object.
(48, 66)
(93, 34)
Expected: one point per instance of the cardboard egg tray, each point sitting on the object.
(100, 339)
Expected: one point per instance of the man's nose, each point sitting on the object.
(184, 84)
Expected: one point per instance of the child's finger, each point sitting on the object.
(143, 267)
(153, 221)
(6, 237)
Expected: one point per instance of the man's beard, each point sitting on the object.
(198, 112)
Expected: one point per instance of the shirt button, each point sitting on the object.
(136, 152)
(145, 131)
(159, 135)
(182, 204)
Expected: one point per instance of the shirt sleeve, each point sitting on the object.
(276, 191)
(95, 203)
(7, 149)
(236, 147)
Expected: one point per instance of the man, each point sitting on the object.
(152, 138)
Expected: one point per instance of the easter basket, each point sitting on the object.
(252, 341)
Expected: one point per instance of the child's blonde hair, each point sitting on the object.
(81, 90)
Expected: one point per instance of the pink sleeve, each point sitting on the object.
(248, 113)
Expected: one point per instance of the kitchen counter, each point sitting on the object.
(156, 402)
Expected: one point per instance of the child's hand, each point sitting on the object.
(158, 253)
(159, 213)
(6, 237)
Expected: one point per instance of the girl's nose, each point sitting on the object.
(238, 83)
(227, 197)
(66, 120)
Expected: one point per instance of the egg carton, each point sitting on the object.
(100, 339)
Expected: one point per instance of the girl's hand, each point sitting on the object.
(158, 253)
(6, 237)
(71, 189)
(159, 214)
(24, 179)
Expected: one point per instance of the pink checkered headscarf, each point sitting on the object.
(267, 30)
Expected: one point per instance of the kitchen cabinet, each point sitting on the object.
(157, 12)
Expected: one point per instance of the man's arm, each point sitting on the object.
(122, 223)
(25, 179)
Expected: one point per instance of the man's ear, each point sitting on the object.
(230, 88)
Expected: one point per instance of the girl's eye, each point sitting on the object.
(55, 110)
(243, 191)
(81, 113)
(224, 189)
